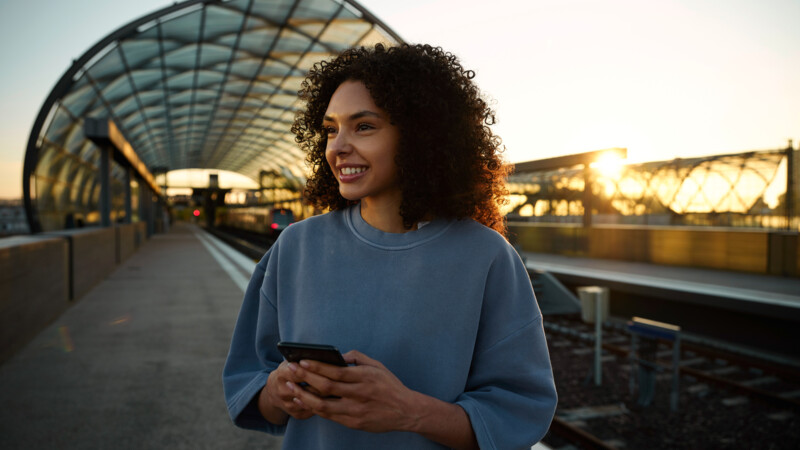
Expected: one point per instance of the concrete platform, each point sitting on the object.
(743, 312)
(137, 362)
(765, 294)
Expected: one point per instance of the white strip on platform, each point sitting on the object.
(686, 286)
(234, 272)
(246, 264)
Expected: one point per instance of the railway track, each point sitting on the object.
(734, 381)
(252, 245)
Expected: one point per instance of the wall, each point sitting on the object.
(34, 288)
(755, 251)
(42, 275)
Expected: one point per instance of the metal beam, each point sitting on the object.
(104, 133)
(559, 162)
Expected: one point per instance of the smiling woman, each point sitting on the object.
(408, 274)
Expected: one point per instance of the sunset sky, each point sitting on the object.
(663, 78)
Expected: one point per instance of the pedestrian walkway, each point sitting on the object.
(137, 362)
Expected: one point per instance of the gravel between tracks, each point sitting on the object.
(703, 421)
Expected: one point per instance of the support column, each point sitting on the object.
(148, 210)
(105, 186)
(141, 203)
(790, 181)
(128, 199)
(587, 195)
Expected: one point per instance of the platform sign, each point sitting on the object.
(645, 337)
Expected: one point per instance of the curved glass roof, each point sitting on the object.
(199, 84)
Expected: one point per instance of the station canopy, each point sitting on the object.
(205, 84)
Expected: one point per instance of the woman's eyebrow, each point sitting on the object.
(356, 116)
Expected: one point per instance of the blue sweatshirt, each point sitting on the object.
(448, 308)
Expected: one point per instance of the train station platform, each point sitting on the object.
(743, 312)
(137, 361)
(740, 289)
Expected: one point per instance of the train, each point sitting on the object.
(269, 221)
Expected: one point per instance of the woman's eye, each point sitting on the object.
(329, 130)
(364, 126)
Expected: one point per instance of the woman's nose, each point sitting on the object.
(340, 143)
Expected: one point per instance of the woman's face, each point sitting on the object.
(362, 144)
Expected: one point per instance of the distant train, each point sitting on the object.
(270, 221)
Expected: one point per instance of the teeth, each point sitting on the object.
(352, 170)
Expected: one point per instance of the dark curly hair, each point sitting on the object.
(448, 159)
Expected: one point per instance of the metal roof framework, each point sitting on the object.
(199, 84)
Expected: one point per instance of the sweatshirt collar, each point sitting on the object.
(392, 241)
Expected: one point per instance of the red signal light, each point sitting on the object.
(274, 226)
(196, 213)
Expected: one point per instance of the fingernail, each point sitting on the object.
(292, 367)
(290, 386)
(304, 363)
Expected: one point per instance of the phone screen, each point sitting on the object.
(295, 351)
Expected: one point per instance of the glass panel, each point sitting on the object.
(221, 21)
(98, 110)
(315, 8)
(118, 90)
(207, 78)
(155, 62)
(344, 33)
(79, 100)
(264, 87)
(74, 139)
(181, 81)
(258, 39)
(185, 28)
(245, 69)
(308, 28)
(184, 58)
(309, 59)
(139, 51)
(154, 111)
(282, 100)
(146, 80)
(180, 98)
(178, 123)
(123, 109)
(212, 54)
(292, 42)
(108, 68)
(202, 109)
(59, 126)
(240, 5)
(272, 68)
(273, 11)
(182, 111)
(252, 103)
(292, 84)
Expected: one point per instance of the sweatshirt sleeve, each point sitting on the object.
(253, 355)
(510, 395)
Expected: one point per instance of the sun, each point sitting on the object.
(609, 165)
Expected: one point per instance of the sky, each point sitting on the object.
(662, 78)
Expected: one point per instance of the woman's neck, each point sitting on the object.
(384, 215)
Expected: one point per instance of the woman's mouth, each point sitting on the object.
(351, 174)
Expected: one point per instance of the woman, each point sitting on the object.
(408, 274)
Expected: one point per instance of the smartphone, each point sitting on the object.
(295, 351)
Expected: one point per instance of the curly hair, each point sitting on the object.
(448, 159)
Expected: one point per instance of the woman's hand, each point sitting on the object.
(370, 397)
(276, 401)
